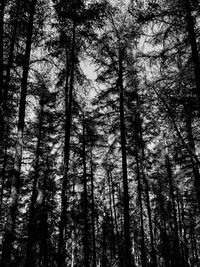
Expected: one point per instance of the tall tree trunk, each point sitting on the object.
(31, 224)
(164, 235)
(193, 239)
(93, 216)
(181, 227)
(113, 242)
(104, 245)
(68, 118)
(13, 205)
(185, 241)
(128, 259)
(153, 251)
(44, 225)
(4, 131)
(175, 226)
(143, 249)
(85, 201)
(73, 247)
(115, 222)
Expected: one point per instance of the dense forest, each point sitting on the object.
(99, 133)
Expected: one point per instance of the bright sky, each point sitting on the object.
(89, 69)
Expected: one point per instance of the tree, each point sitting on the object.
(9, 232)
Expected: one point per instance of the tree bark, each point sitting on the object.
(43, 257)
(128, 259)
(164, 235)
(34, 192)
(4, 127)
(68, 118)
(85, 201)
(143, 249)
(115, 222)
(94, 258)
(185, 241)
(176, 251)
(153, 251)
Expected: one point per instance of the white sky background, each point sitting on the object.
(89, 69)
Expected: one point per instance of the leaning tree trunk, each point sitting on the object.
(13, 204)
(128, 261)
(68, 118)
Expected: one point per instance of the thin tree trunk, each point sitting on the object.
(116, 224)
(143, 249)
(113, 244)
(181, 226)
(4, 131)
(13, 205)
(164, 235)
(186, 252)
(193, 240)
(93, 216)
(172, 197)
(73, 247)
(34, 193)
(43, 257)
(153, 251)
(128, 259)
(68, 118)
(85, 198)
(104, 247)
